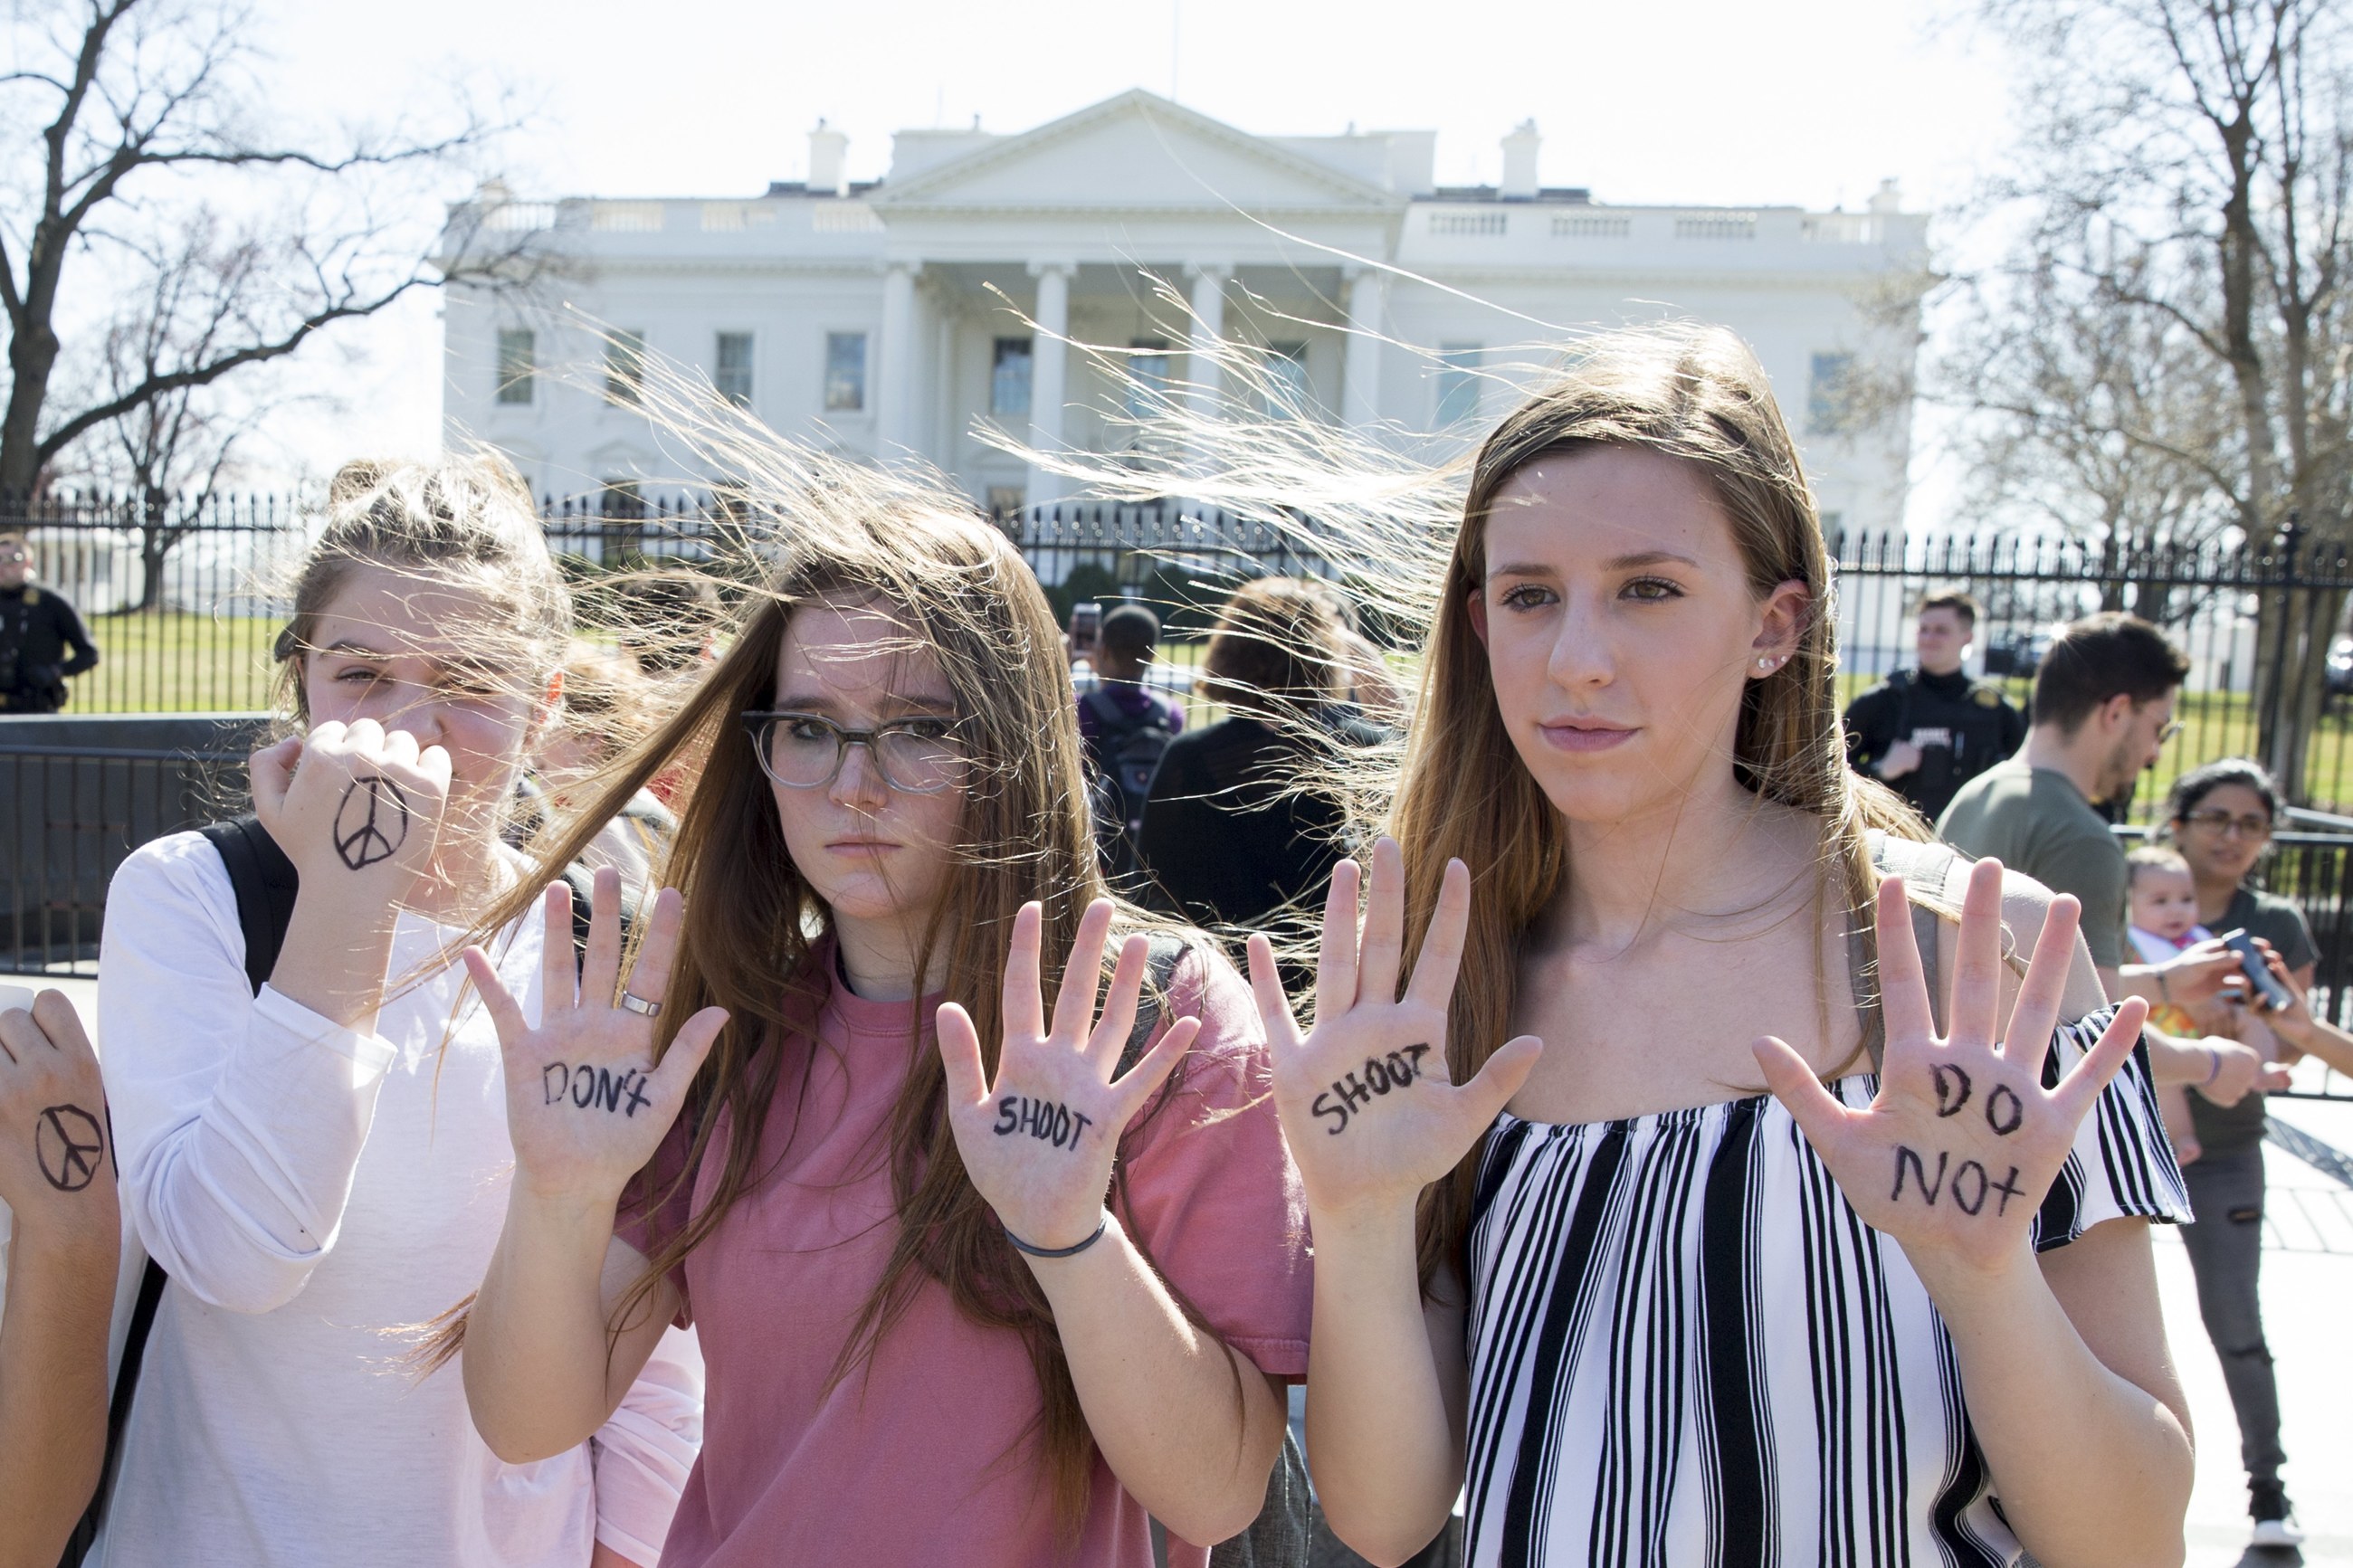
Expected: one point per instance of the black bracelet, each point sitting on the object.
(1020, 1245)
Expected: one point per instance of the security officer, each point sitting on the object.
(1925, 733)
(41, 640)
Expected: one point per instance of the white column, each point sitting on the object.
(898, 400)
(1360, 396)
(1048, 371)
(1208, 326)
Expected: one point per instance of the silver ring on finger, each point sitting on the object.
(641, 1006)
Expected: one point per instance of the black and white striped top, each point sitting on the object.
(1687, 1348)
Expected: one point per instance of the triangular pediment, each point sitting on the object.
(1134, 153)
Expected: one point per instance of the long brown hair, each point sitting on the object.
(1697, 395)
(1412, 537)
(836, 534)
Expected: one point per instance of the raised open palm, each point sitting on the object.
(1955, 1152)
(1368, 1105)
(1038, 1142)
(586, 1103)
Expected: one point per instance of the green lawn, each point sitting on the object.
(175, 662)
(2218, 724)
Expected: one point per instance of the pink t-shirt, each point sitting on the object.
(924, 1456)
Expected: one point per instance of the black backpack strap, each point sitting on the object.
(265, 883)
(1115, 720)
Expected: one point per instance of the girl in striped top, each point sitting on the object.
(1877, 1290)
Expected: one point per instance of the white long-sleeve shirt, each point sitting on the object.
(314, 1194)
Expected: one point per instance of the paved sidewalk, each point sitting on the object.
(2307, 1285)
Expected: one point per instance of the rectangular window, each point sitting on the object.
(1288, 394)
(1830, 390)
(1459, 379)
(624, 366)
(845, 372)
(1147, 377)
(730, 370)
(518, 361)
(1008, 379)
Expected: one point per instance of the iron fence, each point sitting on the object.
(184, 599)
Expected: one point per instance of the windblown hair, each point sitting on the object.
(465, 521)
(812, 530)
(1413, 538)
(1275, 650)
(1699, 396)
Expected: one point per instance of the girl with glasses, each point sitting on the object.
(977, 1282)
(2220, 817)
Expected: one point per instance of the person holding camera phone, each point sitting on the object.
(59, 1232)
(2220, 818)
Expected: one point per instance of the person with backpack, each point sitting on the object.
(309, 1106)
(1126, 727)
(976, 1283)
(1595, 1252)
(58, 1230)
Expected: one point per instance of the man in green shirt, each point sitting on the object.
(2104, 704)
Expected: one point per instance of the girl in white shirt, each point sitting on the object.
(322, 1165)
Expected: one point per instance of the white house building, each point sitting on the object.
(892, 317)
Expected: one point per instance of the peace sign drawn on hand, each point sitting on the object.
(372, 822)
(1038, 1142)
(1366, 1098)
(586, 1103)
(1955, 1152)
(70, 1146)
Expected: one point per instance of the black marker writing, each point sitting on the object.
(1046, 1121)
(1928, 1189)
(1968, 1188)
(1949, 1098)
(2004, 1126)
(69, 1143)
(593, 1088)
(372, 822)
(1379, 1075)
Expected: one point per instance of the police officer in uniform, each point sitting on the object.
(41, 640)
(1925, 732)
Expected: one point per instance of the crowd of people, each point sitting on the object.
(794, 1098)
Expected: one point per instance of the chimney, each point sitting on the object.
(1520, 163)
(829, 156)
(1887, 198)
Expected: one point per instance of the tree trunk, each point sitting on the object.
(2294, 632)
(32, 355)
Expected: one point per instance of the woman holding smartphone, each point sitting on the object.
(1899, 1309)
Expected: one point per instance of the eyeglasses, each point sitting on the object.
(2215, 820)
(804, 751)
(2171, 730)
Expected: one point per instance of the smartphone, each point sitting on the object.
(1086, 623)
(2259, 974)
